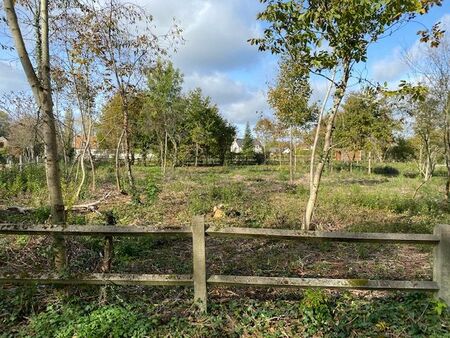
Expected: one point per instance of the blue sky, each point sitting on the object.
(217, 57)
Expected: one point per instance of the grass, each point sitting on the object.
(252, 196)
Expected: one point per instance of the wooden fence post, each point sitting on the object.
(108, 251)
(199, 257)
(441, 266)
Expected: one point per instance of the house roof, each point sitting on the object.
(240, 142)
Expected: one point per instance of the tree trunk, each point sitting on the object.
(316, 179)
(295, 158)
(447, 147)
(41, 88)
(165, 153)
(370, 163)
(291, 160)
(428, 165)
(20, 163)
(91, 161)
(87, 137)
(175, 152)
(117, 166)
(161, 153)
(83, 172)
(126, 138)
(316, 136)
(196, 154)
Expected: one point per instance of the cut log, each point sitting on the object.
(92, 206)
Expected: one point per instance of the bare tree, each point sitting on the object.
(122, 38)
(432, 64)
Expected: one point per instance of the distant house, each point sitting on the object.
(79, 142)
(343, 155)
(3, 143)
(238, 143)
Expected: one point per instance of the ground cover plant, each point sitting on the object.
(250, 196)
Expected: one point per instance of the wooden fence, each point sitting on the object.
(199, 279)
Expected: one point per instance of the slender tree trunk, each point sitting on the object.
(295, 158)
(87, 137)
(41, 88)
(117, 166)
(126, 138)
(91, 161)
(196, 154)
(175, 152)
(165, 153)
(447, 147)
(316, 179)
(291, 160)
(20, 163)
(370, 163)
(83, 172)
(316, 136)
(428, 166)
(161, 153)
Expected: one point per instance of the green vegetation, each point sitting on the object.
(97, 125)
(252, 196)
(315, 313)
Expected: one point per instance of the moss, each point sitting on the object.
(358, 282)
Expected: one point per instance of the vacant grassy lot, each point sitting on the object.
(253, 196)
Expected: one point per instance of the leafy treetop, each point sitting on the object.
(319, 34)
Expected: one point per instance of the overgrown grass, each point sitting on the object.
(252, 196)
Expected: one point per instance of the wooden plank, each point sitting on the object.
(94, 230)
(441, 264)
(199, 263)
(98, 279)
(362, 237)
(362, 284)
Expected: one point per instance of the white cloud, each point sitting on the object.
(247, 110)
(394, 66)
(215, 32)
(219, 86)
(390, 67)
(237, 102)
(11, 78)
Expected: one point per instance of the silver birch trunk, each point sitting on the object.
(317, 176)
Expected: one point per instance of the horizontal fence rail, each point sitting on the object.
(100, 279)
(94, 230)
(284, 234)
(440, 239)
(329, 283)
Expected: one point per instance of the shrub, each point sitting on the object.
(152, 191)
(316, 312)
(386, 171)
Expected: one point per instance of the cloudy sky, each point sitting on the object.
(217, 57)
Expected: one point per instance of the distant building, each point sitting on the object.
(79, 142)
(343, 155)
(238, 143)
(3, 143)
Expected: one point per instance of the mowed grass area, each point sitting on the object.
(251, 196)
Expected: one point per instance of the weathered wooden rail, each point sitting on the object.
(199, 280)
